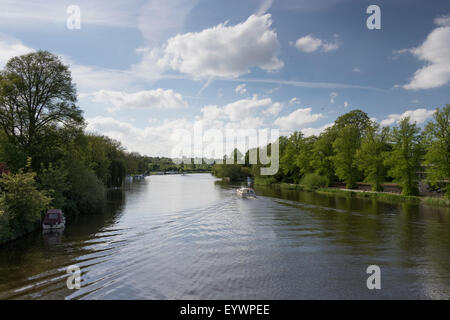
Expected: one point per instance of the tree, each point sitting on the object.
(54, 180)
(437, 157)
(289, 156)
(36, 92)
(322, 154)
(304, 155)
(117, 173)
(406, 155)
(355, 118)
(345, 146)
(370, 157)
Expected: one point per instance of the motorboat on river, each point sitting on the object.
(54, 219)
(246, 192)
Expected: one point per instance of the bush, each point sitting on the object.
(86, 193)
(314, 181)
(54, 180)
(21, 204)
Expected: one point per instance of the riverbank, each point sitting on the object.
(380, 196)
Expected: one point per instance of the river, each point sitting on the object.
(192, 237)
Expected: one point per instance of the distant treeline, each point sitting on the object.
(357, 149)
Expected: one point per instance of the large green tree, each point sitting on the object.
(288, 159)
(437, 157)
(370, 157)
(322, 154)
(36, 94)
(349, 129)
(345, 146)
(406, 155)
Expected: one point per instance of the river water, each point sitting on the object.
(191, 237)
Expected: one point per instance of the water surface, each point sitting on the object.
(191, 237)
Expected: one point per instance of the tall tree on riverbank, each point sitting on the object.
(349, 128)
(437, 158)
(322, 154)
(345, 147)
(36, 94)
(370, 157)
(406, 155)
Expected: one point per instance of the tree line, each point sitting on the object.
(355, 149)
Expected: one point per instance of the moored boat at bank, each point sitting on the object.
(54, 219)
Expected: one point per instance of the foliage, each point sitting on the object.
(437, 157)
(288, 160)
(87, 193)
(21, 203)
(370, 157)
(36, 93)
(322, 154)
(313, 181)
(117, 173)
(345, 146)
(54, 179)
(234, 172)
(405, 157)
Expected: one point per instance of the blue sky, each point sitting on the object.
(146, 68)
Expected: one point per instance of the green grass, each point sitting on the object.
(381, 196)
(384, 196)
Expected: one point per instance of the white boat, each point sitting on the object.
(246, 192)
(54, 219)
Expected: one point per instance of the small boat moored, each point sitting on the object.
(54, 219)
(246, 192)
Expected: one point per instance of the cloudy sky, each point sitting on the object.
(144, 69)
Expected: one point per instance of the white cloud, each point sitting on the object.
(263, 7)
(10, 48)
(158, 98)
(224, 51)
(297, 119)
(239, 114)
(443, 21)
(274, 109)
(310, 44)
(246, 107)
(418, 116)
(241, 89)
(315, 131)
(435, 51)
(155, 140)
(333, 96)
(356, 70)
(346, 104)
(294, 101)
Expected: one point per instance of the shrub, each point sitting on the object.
(86, 193)
(21, 203)
(314, 181)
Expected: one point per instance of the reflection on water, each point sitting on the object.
(190, 237)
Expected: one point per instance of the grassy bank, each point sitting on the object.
(381, 196)
(385, 196)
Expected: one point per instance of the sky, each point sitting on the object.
(147, 69)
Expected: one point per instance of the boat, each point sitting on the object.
(246, 192)
(54, 219)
